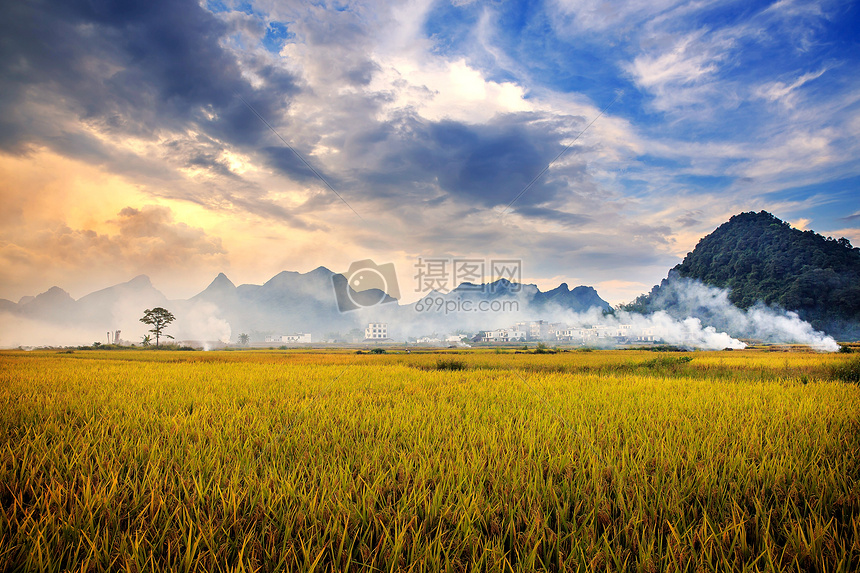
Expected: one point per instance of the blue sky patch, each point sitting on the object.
(277, 33)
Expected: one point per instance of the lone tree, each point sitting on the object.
(159, 318)
(244, 339)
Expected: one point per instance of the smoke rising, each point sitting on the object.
(201, 321)
(690, 314)
(659, 326)
(686, 313)
(682, 297)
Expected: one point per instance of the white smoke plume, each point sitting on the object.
(691, 298)
(201, 321)
(691, 315)
(659, 327)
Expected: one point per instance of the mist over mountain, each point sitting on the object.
(289, 302)
(765, 263)
(53, 304)
(753, 277)
(100, 307)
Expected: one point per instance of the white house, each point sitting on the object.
(554, 330)
(621, 333)
(376, 331)
(504, 335)
(645, 335)
(536, 329)
(298, 338)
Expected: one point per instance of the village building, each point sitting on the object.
(297, 338)
(376, 331)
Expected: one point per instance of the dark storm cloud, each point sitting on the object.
(143, 70)
(492, 164)
(130, 68)
(485, 165)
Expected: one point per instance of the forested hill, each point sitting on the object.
(761, 258)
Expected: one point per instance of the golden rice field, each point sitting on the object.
(473, 461)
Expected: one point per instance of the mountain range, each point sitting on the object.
(757, 258)
(287, 303)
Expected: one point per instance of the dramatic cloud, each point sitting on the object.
(128, 69)
(244, 134)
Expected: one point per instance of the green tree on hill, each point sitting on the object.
(760, 258)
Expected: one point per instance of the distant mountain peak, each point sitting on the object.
(580, 299)
(221, 281)
(140, 281)
(292, 279)
(54, 293)
(53, 303)
(281, 277)
(320, 270)
(220, 289)
(562, 288)
(498, 285)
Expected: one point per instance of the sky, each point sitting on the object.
(596, 142)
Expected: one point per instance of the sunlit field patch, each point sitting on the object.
(448, 461)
